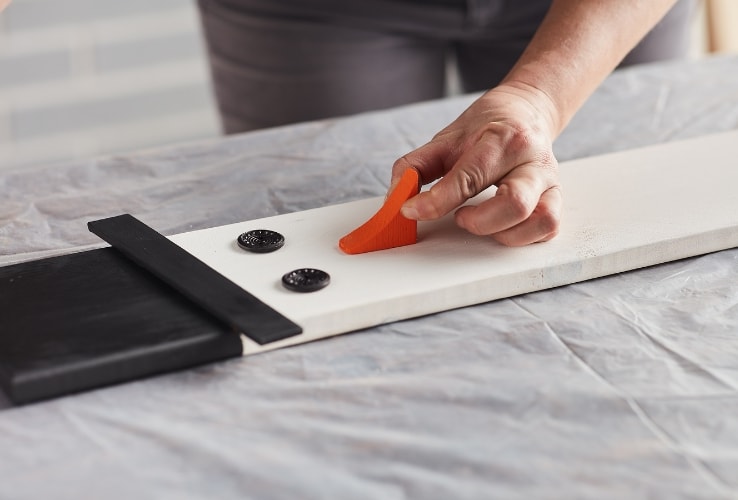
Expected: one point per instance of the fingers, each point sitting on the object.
(517, 196)
(526, 208)
(530, 222)
(496, 151)
(542, 225)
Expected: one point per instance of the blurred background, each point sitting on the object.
(80, 78)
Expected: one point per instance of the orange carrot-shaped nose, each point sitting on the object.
(387, 228)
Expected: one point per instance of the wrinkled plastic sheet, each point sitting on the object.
(620, 387)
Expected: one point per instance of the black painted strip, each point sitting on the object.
(74, 322)
(194, 279)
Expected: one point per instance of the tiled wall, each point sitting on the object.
(84, 77)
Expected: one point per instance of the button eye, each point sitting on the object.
(306, 280)
(260, 241)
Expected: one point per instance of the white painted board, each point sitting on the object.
(622, 211)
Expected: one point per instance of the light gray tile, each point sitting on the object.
(137, 53)
(25, 14)
(21, 69)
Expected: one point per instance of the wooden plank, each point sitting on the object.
(622, 211)
(79, 321)
(194, 279)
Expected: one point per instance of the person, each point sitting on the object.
(282, 61)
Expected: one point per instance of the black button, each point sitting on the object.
(306, 280)
(261, 241)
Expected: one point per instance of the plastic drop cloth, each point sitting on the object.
(620, 387)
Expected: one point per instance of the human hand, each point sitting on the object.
(3, 4)
(504, 139)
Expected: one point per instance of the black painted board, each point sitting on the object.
(90, 319)
(194, 279)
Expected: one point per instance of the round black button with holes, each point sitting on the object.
(261, 241)
(306, 280)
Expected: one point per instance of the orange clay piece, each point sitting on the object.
(387, 228)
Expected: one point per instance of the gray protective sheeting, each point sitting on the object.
(621, 387)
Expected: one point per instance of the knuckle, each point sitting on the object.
(524, 142)
(472, 181)
(520, 140)
(516, 139)
(520, 204)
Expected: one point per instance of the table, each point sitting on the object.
(621, 387)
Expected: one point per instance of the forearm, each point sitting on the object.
(578, 44)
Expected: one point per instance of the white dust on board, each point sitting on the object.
(590, 242)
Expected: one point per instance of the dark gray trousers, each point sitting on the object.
(275, 62)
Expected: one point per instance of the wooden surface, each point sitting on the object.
(217, 295)
(84, 320)
(622, 211)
